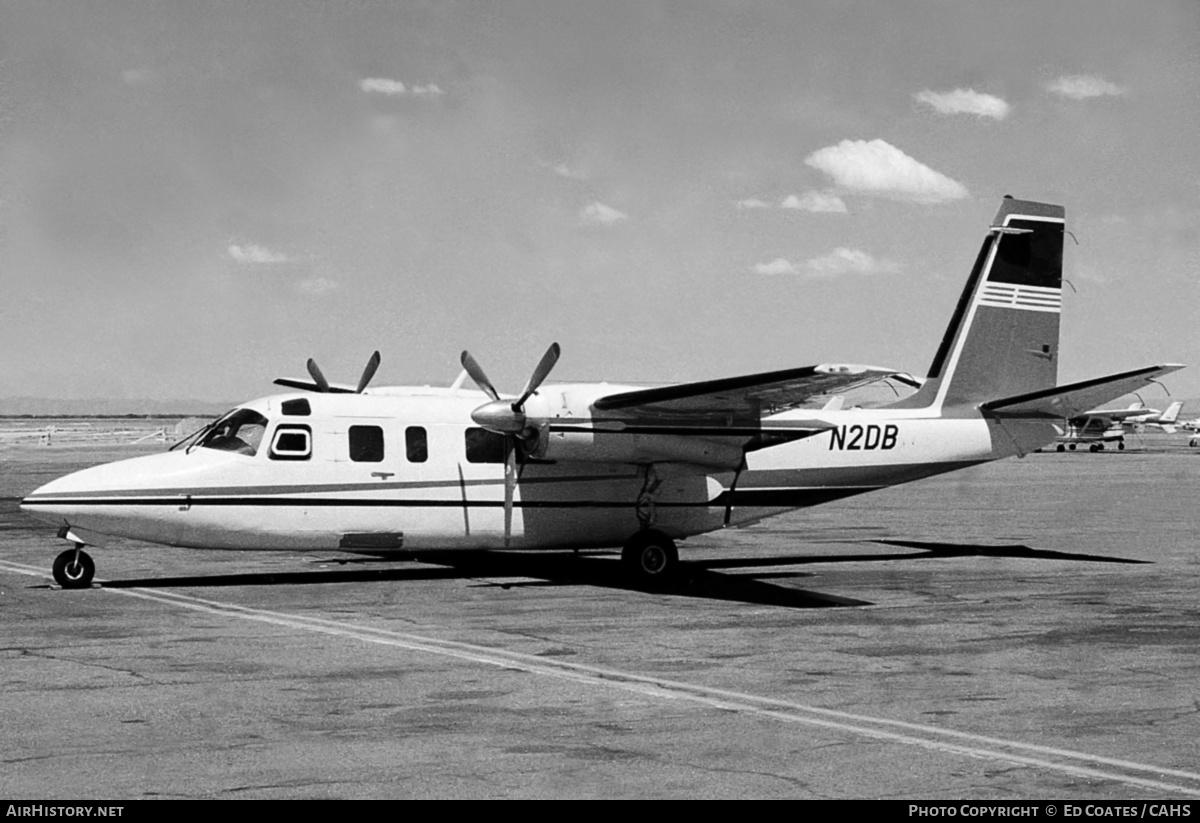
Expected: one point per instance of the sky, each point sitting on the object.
(196, 197)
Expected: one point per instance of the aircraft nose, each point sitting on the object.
(52, 501)
(74, 495)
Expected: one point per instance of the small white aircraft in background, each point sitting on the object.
(395, 471)
(1098, 428)
(1164, 420)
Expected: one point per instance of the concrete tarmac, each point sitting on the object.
(1029, 629)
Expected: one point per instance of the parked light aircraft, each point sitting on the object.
(1164, 420)
(1100, 427)
(570, 466)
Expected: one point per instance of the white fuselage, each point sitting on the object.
(312, 484)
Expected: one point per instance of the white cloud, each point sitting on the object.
(752, 203)
(563, 170)
(137, 77)
(316, 286)
(815, 201)
(964, 101)
(598, 214)
(838, 262)
(381, 85)
(878, 168)
(1083, 86)
(394, 88)
(254, 255)
(848, 261)
(777, 266)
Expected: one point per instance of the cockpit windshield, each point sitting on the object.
(239, 431)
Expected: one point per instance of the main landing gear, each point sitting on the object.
(650, 557)
(74, 568)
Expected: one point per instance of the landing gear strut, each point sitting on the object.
(650, 557)
(74, 568)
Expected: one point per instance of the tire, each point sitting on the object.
(650, 557)
(71, 574)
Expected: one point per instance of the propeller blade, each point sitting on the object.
(368, 373)
(477, 374)
(510, 484)
(539, 374)
(318, 378)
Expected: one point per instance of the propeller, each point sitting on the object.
(321, 385)
(318, 378)
(368, 373)
(507, 418)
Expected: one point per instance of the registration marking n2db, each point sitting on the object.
(862, 438)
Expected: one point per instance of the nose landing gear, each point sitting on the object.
(74, 568)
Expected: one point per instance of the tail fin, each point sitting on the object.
(1003, 336)
(1172, 413)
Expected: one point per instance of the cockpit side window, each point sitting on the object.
(291, 442)
(239, 431)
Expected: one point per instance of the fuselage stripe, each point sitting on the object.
(740, 497)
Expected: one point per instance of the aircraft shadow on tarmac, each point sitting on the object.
(696, 579)
(925, 551)
(491, 569)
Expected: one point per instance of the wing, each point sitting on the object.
(1118, 415)
(738, 401)
(1075, 399)
(313, 386)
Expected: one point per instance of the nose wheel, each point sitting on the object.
(74, 569)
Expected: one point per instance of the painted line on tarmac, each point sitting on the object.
(934, 738)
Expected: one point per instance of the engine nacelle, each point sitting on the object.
(616, 445)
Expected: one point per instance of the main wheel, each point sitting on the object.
(650, 557)
(72, 572)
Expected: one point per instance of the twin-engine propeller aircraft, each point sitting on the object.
(571, 466)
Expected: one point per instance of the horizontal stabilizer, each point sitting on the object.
(1074, 399)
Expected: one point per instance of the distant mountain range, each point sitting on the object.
(108, 407)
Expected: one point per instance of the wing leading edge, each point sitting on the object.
(742, 400)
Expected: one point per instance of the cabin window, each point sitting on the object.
(297, 407)
(239, 431)
(291, 442)
(417, 444)
(366, 444)
(484, 446)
